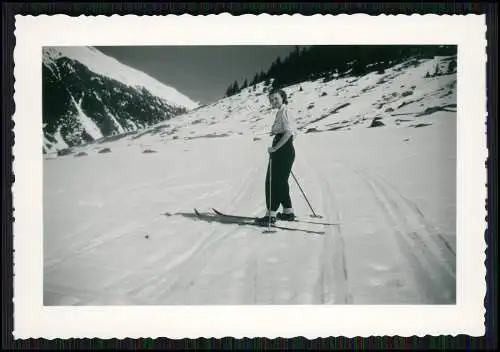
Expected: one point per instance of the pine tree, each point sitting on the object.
(232, 89)
(236, 88)
(254, 80)
(262, 76)
(228, 91)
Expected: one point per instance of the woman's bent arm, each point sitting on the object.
(283, 140)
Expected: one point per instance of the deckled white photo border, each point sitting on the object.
(32, 320)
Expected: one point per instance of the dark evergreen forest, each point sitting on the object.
(330, 61)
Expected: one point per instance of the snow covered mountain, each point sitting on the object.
(88, 95)
(403, 95)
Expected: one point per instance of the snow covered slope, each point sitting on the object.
(403, 95)
(118, 213)
(88, 95)
(105, 65)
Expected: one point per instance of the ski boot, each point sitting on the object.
(286, 217)
(265, 220)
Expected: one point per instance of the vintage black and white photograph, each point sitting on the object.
(251, 174)
(145, 147)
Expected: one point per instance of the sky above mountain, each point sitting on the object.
(203, 73)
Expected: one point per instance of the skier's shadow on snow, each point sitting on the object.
(210, 218)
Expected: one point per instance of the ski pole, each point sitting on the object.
(270, 195)
(314, 214)
(270, 191)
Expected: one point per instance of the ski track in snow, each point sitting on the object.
(429, 261)
(232, 264)
(332, 284)
(334, 252)
(190, 265)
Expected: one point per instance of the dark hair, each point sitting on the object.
(280, 92)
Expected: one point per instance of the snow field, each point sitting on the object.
(106, 240)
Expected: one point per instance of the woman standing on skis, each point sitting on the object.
(281, 159)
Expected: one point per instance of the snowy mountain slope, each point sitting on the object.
(401, 96)
(104, 65)
(392, 189)
(88, 95)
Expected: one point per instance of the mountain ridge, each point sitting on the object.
(414, 88)
(404, 95)
(88, 95)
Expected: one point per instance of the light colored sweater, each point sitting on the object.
(283, 122)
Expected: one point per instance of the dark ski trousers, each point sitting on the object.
(282, 161)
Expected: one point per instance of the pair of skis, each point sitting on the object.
(248, 220)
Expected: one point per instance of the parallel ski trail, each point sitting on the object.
(171, 289)
(335, 254)
(359, 265)
(445, 249)
(176, 274)
(430, 261)
(439, 249)
(333, 283)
